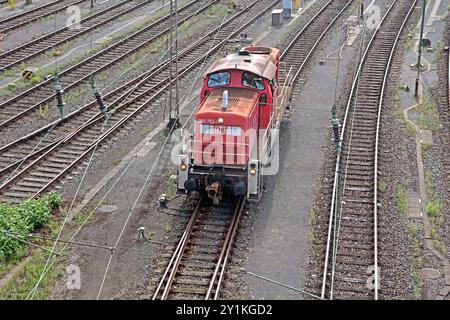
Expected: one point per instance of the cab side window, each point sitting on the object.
(253, 81)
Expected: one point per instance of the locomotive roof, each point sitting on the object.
(261, 63)
(240, 103)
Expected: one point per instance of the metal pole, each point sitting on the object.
(177, 109)
(170, 62)
(419, 58)
(361, 9)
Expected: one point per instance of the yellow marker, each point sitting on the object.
(11, 4)
(297, 3)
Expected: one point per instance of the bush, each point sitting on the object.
(433, 208)
(22, 219)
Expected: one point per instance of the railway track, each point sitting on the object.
(445, 102)
(24, 53)
(197, 267)
(65, 147)
(16, 21)
(81, 128)
(351, 257)
(299, 51)
(447, 160)
(21, 109)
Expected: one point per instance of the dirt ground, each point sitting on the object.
(274, 238)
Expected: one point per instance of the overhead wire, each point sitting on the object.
(150, 173)
(45, 270)
(341, 202)
(87, 99)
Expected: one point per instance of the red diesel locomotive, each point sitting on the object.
(241, 107)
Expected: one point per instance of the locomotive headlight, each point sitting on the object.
(252, 171)
(183, 167)
(220, 120)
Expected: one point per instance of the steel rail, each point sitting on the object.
(41, 11)
(219, 271)
(164, 83)
(130, 84)
(98, 116)
(343, 132)
(303, 30)
(165, 285)
(36, 89)
(140, 79)
(172, 268)
(5, 65)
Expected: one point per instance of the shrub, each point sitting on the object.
(22, 219)
(433, 208)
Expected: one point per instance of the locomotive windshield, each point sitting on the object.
(219, 79)
(253, 81)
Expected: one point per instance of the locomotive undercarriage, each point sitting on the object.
(221, 183)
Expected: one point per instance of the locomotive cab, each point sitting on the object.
(239, 107)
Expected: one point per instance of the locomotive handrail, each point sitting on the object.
(275, 115)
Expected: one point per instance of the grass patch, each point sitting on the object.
(440, 246)
(410, 129)
(402, 204)
(24, 280)
(413, 230)
(434, 208)
(381, 186)
(433, 233)
(426, 146)
(418, 280)
(428, 115)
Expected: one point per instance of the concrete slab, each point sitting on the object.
(414, 206)
(426, 137)
(447, 274)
